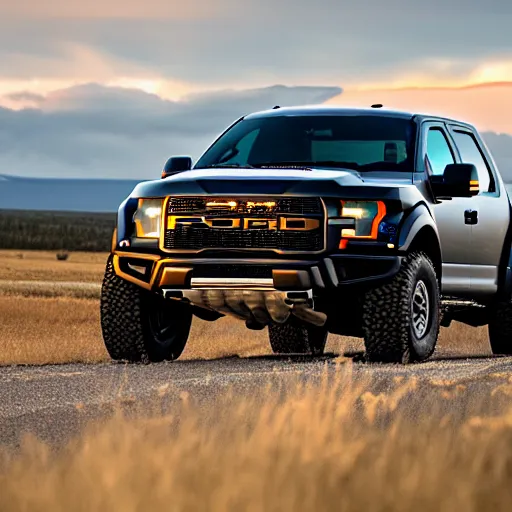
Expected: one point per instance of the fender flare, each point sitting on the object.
(413, 223)
(124, 219)
(505, 279)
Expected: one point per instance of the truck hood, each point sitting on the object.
(314, 182)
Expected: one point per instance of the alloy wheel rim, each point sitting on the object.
(420, 309)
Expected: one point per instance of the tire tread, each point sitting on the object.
(295, 337)
(121, 318)
(386, 316)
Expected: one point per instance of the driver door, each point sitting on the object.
(454, 233)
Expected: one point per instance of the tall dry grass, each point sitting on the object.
(54, 330)
(336, 445)
(340, 444)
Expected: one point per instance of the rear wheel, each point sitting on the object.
(401, 318)
(296, 337)
(500, 328)
(138, 325)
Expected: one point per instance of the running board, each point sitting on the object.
(465, 311)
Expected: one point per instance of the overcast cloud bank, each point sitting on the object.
(99, 132)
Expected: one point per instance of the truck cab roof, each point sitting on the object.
(324, 110)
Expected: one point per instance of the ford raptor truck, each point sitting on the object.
(306, 221)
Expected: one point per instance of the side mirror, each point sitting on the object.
(458, 180)
(176, 164)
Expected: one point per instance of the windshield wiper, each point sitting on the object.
(385, 166)
(319, 163)
(227, 166)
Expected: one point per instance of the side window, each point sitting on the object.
(472, 154)
(438, 151)
(240, 153)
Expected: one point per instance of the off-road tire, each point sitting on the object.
(500, 328)
(132, 318)
(388, 330)
(296, 337)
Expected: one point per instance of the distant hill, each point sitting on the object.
(56, 194)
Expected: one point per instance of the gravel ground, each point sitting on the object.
(54, 402)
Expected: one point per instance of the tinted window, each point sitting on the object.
(361, 151)
(240, 152)
(438, 151)
(369, 142)
(471, 154)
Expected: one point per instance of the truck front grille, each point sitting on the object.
(293, 205)
(195, 239)
(187, 228)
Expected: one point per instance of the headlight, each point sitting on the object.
(367, 215)
(148, 218)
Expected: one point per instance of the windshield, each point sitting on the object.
(363, 143)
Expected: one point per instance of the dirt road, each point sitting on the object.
(55, 401)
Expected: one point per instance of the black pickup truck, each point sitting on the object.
(362, 222)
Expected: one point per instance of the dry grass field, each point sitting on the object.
(332, 446)
(87, 267)
(343, 444)
(51, 323)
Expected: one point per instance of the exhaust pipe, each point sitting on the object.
(309, 315)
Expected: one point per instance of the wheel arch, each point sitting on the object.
(505, 266)
(419, 234)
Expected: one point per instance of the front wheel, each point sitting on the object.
(138, 325)
(296, 337)
(401, 318)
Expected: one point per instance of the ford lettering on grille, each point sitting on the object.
(281, 224)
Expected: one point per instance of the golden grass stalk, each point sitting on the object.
(298, 447)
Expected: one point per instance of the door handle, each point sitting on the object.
(471, 217)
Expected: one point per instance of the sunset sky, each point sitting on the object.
(67, 65)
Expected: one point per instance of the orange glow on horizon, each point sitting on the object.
(428, 87)
(486, 105)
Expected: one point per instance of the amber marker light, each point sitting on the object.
(222, 204)
(268, 204)
(364, 213)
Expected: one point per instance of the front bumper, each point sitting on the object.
(335, 272)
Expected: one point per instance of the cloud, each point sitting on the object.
(107, 132)
(25, 97)
(229, 43)
(113, 8)
(98, 131)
